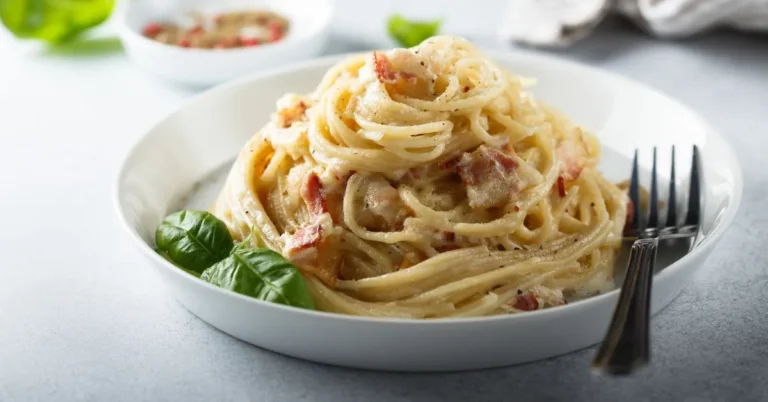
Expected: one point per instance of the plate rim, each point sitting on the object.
(719, 228)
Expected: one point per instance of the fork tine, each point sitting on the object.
(636, 224)
(625, 346)
(653, 214)
(694, 193)
(672, 199)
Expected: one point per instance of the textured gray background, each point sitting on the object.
(82, 319)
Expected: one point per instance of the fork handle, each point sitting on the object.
(625, 347)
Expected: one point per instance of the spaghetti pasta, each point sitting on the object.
(424, 183)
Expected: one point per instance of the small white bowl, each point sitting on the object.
(308, 32)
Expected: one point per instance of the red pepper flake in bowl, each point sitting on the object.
(222, 31)
(152, 29)
(197, 29)
(250, 41)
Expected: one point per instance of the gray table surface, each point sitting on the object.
(81, 319)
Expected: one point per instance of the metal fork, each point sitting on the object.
(626, 344)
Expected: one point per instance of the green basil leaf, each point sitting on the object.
(162, 254)
(262, 274)
(53, 20)
(191, 272)
(411, 33)
(193, 240)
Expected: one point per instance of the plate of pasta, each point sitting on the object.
(431, 208)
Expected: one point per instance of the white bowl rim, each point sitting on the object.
(718, 229)
(132, 34)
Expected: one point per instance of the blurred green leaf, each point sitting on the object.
(410, 33)
(54, 21)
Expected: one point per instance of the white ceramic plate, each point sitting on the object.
(309, 19)
(180, 152)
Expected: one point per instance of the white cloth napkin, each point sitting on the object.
(561, 22)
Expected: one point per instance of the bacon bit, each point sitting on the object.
(489, 177)
(286, 117)
(574, 158)
(526, 301)
(516, 208)
(385, 73)
(315, 252)
(306, 237)
(450, 164)
(466, 89)
(152, 29)
(484, 160)
(561, 186)
(185, 42)
(196, 29)
(630, 212)
(314, 196)
(381, 66)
